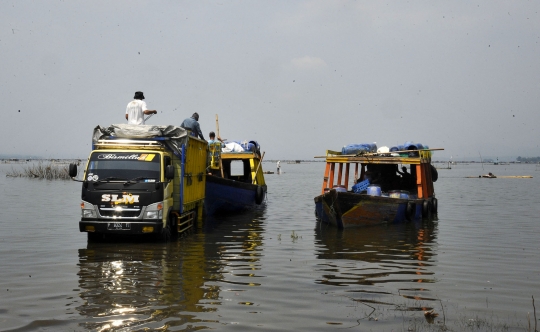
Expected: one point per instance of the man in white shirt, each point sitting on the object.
(136, 109)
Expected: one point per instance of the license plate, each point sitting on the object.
(118, 226)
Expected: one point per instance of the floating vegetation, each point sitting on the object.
(294, 236)
(50, 171)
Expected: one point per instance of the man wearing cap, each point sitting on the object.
(193, 125)
(136, 109)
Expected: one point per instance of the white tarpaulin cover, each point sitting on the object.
(232, 147)
(176, 135)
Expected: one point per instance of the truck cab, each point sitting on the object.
(142, 186)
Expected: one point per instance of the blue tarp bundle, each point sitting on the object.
(359, 148)
(409, 145)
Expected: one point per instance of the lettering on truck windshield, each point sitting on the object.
(124, 166)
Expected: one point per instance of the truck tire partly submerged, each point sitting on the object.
(172, 223)
(94, 237)
(166, 233)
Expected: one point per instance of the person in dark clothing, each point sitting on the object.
(406, 178)
(193, 125)
(404, 174)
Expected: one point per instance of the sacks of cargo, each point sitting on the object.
(232, 147)
(241, 146)
(359, 148)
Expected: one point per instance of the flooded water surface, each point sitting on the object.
(476, 268)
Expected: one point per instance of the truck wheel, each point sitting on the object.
(172, 225)
(166, 233)
(94, 237)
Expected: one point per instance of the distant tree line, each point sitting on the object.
(528, 160)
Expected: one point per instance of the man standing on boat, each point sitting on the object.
(136, 109)
(193, 125)
(212, 136)
(214, 154)
(278, 167)
(406, 177)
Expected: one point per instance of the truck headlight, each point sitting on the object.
(88, 210)
(154, 211)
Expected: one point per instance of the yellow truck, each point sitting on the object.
(142, 179)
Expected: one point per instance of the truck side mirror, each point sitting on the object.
(169, 172)
(72, 170)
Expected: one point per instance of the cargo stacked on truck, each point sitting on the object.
(142, 179)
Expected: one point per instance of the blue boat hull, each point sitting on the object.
(229, 196)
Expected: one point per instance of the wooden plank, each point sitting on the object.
(429, 181)
(425, 189)
(347, 167)
(238, 155)
(325, 179)
(221, 168)
(332, 170)
(377, 160)
(340, 173)
(419, 186)
(337, 153)
(259, 162)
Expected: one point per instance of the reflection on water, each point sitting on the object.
(366, 259)
(156, 285)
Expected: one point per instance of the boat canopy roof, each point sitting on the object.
(399, 157)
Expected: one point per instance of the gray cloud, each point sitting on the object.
(298, 76)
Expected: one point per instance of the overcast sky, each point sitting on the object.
(300, 77)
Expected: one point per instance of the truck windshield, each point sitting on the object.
(122, 166)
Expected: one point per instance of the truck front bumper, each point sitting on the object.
(121, 227)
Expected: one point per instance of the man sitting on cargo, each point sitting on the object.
(193, 125)
(136, 109)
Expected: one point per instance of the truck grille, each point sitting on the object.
(120, 211)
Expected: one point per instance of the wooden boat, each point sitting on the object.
(489, 176)
(500, 177)
(390, 198)
(235, 181)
